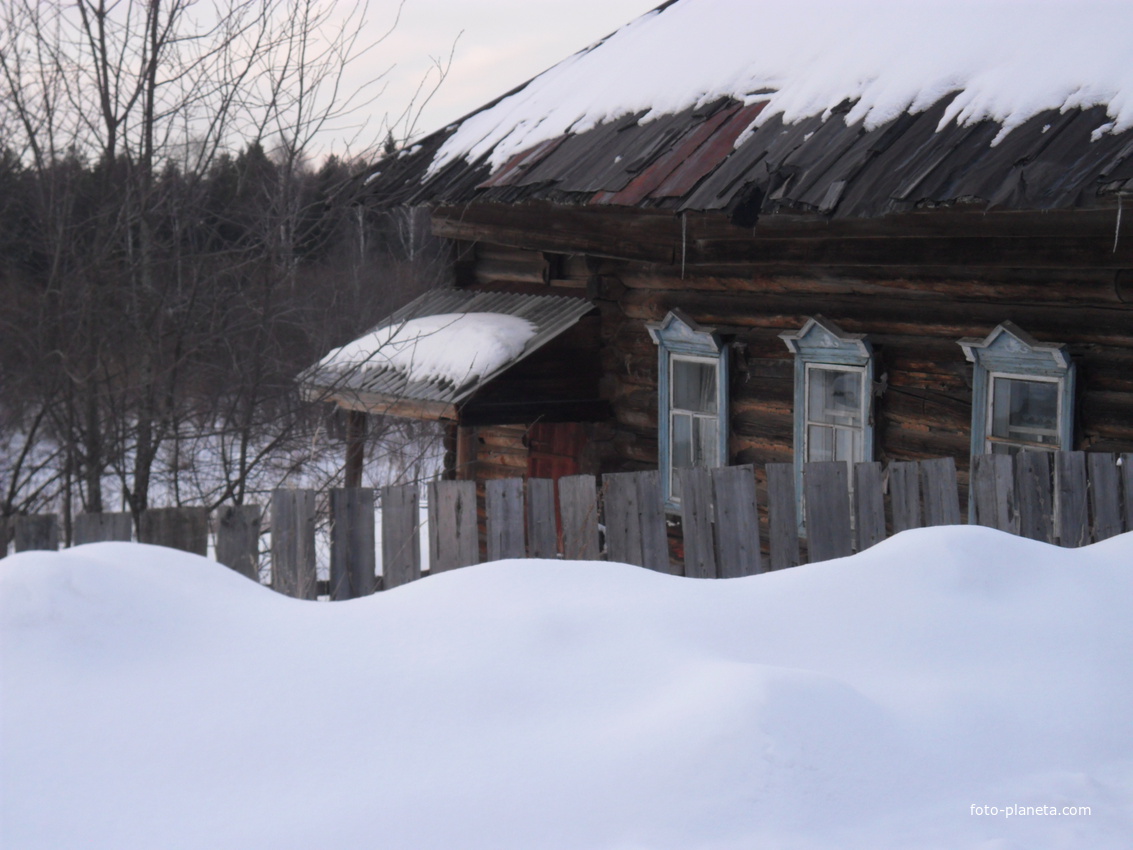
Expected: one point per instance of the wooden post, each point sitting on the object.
(940, 491)
(401, 540)
(186, 529)
(505, 519)
(238, 538)
(737, 521)
(352, 555)
(293, 543)
(1032, 489)
(356, 422)
(696, 522)
(993, 492)
(869, 505)
(782, 515)
(36, 532)
(1073, 513)
(453, 534)
(905, 495)
(542, 530)
(827, 494)
(1105, 494)
(101, 527)
(578, 503)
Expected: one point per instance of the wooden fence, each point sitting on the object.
(734, 521)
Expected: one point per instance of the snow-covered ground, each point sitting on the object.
(152, 699)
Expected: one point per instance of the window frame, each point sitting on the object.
(863, 407)
(678, 337)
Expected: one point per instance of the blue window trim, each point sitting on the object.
(820, 342)
(677, 334)
(1009, 351)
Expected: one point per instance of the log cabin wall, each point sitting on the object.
(1060, 289)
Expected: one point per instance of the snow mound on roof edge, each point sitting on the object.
(1007, 61)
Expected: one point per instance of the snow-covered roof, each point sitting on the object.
(718, 80)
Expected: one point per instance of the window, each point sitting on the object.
(692, 399)
(1022, 393)
(833, 395)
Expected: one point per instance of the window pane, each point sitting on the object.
(682, 440)
(834, 396)
(846, 444)
(820, 443)
(1025, 410)
(706, 443)
(694, 386)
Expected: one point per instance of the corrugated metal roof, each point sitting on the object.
(551, 315)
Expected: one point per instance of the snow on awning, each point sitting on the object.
(435, 352)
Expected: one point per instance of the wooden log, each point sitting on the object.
(542, 529)
(186, 529)
(293, 543)
(940, 492)
(1105, 494)
(992, 492)
(1071, 500)
(737, 522)
(782, 516)
(36, 532)
(696, 522)
(453, 535)
(869, 505)
(1127, 488)
(401, 539)
(1033, 490)
(905, 495)
(578, 505)
(826, 496)
(505, 519)
(102, 527)
(238, 538)
(353, 559)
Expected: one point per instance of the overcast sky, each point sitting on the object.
(498, 45)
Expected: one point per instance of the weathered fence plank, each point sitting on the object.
(4, 537)
(1105, 494)
(940, 492)
(905, 495)
(542, 530)
(635, 520)
(827, 499)
(293, 543)
(869, 505)
(696, 522)
(238, 538)
(737, 521)
(1033, 491)
(505, 519)
(353, 561)
(1127, 488)
(35, 532)
(401, 540)
(186, 529)
(1073, 520)
(101, 528)
(654, 534)
(782, 516)
(578, 506)
(453, 536)
(993, 492)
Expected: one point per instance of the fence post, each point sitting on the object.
(737, 521)
(869, 505)
(352, 556)
(102, 527)
(696, 522)
(453, 531)
(905, 495)
(782, 515)
(542, 530)
(1032, 488)
(940, 491)
(1105, 494)
(578, 503)
(827, 495)
(505, 518)
(993, 492)
(186, 529)
(293, 543)
(1127, 488)
(38, 531)
(238, 539)
(1073, 515)
(401, 542)
(4, 537)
